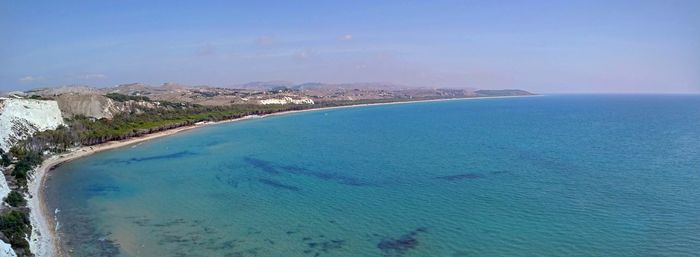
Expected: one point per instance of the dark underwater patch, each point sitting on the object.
(294, 169)
(101, 189)
(326, 246)
(321, 245)
(345, 180)
(176, 155)
(277, 184)
(402, 244)
(263, 165)
(80, 230)
(274, 169)
(461, 176)
(189, 237)
(170, 223)
(228, 180)
(56, 166)
(163, 157)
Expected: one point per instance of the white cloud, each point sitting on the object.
(29, 79)
(346, 37)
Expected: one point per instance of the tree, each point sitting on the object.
(15, 199)
(15, 226)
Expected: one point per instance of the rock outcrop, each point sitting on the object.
(99, 106)
(88, 105)
(20, 118)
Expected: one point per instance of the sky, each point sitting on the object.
(542, 46)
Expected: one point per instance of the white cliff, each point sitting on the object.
(6, 250)
(99, 106)
(20, 118)
(4, 188)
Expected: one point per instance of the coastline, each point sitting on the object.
(44, 241)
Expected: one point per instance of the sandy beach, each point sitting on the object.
(44, 241)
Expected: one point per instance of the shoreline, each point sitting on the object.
(45, 242)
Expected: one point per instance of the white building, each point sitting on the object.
(287, 100)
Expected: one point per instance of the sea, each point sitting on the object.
(553, 175)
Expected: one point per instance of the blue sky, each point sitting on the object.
(542, 46)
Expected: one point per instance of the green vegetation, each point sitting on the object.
(15, 199)
(281, 89)
(15, 226)
(207, 94)
(86, 131)
(123, 98)
(38, 97)
(4, 159)
(27, 159)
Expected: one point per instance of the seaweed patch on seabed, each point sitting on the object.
(461, 176)
(399, 246)
(193, 237)
(56, 166)
(322, 246)
(99, 189)
(176, 155)
(274, 169)
(229, 180)
(263, 165)
(276, 184)
(341, 179)
(79, 235)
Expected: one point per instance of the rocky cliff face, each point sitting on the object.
(89, 105)
(98, 106)
(20, 118)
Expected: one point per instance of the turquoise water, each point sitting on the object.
(591, 175)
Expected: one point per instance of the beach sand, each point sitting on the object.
(44, 241)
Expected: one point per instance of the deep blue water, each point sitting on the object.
(585, 175)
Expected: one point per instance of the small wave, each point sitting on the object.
(55, 219)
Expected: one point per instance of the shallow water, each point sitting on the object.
(542, 176)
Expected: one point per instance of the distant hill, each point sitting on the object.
(138, 97)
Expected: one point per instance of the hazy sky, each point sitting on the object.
(542, 46)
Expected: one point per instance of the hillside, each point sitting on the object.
(88, 101)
